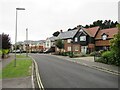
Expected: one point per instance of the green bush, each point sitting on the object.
(71, 54)
(5, 51)
(108, 57)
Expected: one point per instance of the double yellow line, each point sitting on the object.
(39, 82)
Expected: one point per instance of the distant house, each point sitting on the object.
(37, 46)
(103, 37)
(50, 43)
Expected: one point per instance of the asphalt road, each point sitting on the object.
(58, 73)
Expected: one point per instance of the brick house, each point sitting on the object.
(67, 37)
(82, 40)
(103, 37)
(79, 40)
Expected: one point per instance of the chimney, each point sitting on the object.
(61, 31)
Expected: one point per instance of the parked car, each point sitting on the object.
(17, 51)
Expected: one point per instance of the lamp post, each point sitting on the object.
(72, 48)
(16, 34)
(26, 42)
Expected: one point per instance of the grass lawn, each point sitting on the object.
(22, 69)
(21, 56)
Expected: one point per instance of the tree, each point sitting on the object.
(56, 33)
(115, 46)
(59, 44)
(103, 25)
(6, 44)
(69, 29)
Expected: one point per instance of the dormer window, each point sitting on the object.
(104, 37)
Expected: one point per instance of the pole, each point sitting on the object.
(15, 39)
(27, 42)
(72, 48)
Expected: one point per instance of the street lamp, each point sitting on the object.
(16, 33)
(26, 42)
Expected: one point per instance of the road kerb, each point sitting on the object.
(40, 85)
(95, 67)
(106, 70)
(33, 86)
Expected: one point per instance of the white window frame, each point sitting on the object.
(104, 37)
(76, 39)
(68, 40)
(68, 48)
(82, 38)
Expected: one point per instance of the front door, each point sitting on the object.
(84, 49)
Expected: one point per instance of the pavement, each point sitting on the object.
(24, 82)
(89, 61)
(58, 72)
(21, 82)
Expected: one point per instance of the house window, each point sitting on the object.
(76, 48)
(104, 37)
(69, 41)
(47, 43)
(82, 38)
(76, 39)
(68, 48)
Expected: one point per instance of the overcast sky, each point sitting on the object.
(44, 17)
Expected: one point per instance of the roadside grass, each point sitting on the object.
(21, 56)
(0, 74)
(0, 52)
(22, 69)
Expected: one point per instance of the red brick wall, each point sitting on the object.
(66, 45)
(79, 48)
(91, 47)
(102, 43)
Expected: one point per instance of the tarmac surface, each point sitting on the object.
(59, 73)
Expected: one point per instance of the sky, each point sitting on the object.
(44, 17)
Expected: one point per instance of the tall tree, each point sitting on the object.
(6, 44)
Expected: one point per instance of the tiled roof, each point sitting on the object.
(67, 34)
(91, 31)
(110, 32)
(53, 38)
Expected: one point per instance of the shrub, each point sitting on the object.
(83, 55)
(108, 57)
(71, 54)
(92, 53)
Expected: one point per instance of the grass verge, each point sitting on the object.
(22, 69)
(0, 74)
(21, 56)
